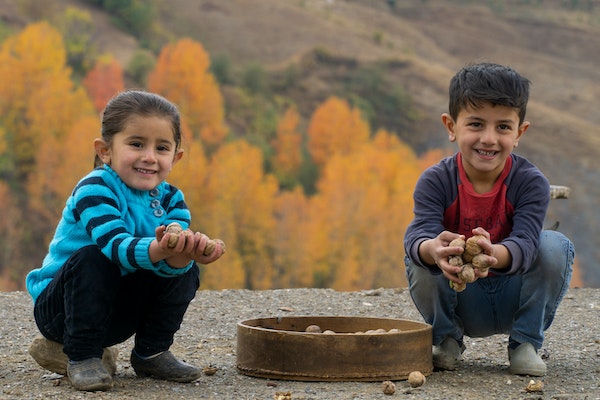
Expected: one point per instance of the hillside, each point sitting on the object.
(422, 44)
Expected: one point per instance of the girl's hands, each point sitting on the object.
(200, 241)
(190, 246)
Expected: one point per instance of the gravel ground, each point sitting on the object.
(208, 338)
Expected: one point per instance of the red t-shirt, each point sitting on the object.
(491, 211)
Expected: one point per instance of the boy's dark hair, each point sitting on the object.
(477, 84)
(135, 102)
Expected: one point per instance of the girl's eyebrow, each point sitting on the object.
(144, 138)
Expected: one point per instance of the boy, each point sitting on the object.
(486, 189)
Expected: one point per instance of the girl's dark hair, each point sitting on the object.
(477, 84)
(135, 102)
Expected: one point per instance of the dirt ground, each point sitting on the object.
(208, 338)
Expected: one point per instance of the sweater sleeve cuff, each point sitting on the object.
(416, 258)
(163, 269)
(516, 259)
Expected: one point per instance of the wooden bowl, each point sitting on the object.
(279, 348)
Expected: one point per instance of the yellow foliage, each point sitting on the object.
(291, 255)
(287, 145)
(182, 75)
(240, 210)
(363, 208)
(335, 128)
(189, 175)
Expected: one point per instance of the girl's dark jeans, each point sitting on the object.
(89, 306)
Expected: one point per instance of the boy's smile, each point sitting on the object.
(486, 136)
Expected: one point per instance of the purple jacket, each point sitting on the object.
(513, 211)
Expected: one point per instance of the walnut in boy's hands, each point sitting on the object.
(471, 258)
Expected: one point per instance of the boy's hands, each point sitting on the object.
(437, 251)
(488, 251)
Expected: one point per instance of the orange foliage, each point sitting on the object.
(190, 175)
(335, 128)
(287, 145)
(291, 256)
(104, 81)
(39, 99)
(239, 209)
(60, 165)
(361, 211)
(182, 75)
(11, 232)
(577, 278)
(432, 157)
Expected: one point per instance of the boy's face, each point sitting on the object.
(486, 136)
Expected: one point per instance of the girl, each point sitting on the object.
(110, 272)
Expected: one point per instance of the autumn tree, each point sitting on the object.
(577, 280)
(362, 209)
(287, 146)
(182, 75)
(39, 99)
(240, 206)
(39, 104)
(11, 228)
(190, 175)
(432, 157)
(104, 81)
(61, 164)
(292, 257)
(76, 26)
(334, 128)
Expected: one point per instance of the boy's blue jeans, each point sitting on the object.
(522, 306)
(89, 306)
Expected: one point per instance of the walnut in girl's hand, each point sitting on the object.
(175, 230)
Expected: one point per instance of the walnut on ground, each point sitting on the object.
(313, 329)
(416, 379)
(388, 387)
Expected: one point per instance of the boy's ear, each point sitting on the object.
(102, 150)
(522, 129)
(449, 125)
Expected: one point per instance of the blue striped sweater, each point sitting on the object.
(102, 210)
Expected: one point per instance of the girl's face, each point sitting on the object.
(486, 137)
(143, 153)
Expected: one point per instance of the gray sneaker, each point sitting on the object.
(49, 355)
(165, 366)
(89, 375)
(524, 360)
(447, 354)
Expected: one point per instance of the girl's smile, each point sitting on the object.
(143, 154)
